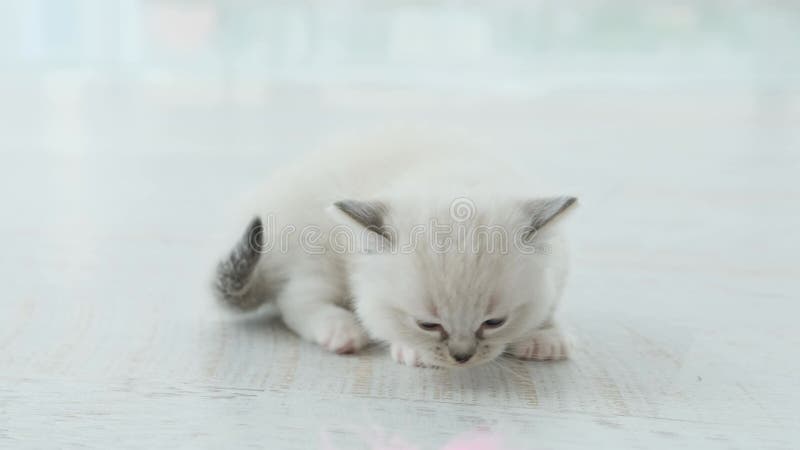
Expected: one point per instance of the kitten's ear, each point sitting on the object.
(367, 219)
(543, 211)
(369, 215)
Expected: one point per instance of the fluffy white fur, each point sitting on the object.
(379, 289)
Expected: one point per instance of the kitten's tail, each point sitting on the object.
(234, 284)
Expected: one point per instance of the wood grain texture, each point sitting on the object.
(118, 196)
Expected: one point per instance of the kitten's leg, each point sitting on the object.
(402, 354)
(546, 343)
(308, 306)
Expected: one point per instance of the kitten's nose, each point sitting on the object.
(461, 358)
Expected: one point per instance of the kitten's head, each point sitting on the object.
(453, 282)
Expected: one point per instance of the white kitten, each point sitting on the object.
(441, 252)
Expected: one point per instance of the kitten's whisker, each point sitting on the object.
(498, 363)
(501, 367)
(523, 375)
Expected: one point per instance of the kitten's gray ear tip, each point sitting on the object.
(570, 201)
(335, 209)
(347, 204)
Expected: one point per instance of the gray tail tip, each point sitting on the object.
(255, 234)
(232, 283)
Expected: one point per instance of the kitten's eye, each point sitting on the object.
(429, 326)
(494, 323)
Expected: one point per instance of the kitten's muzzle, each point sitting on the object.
(461, 358)
(462, 348)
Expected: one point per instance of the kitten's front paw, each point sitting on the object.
(406, 355)
(545, 344)
(342, 334)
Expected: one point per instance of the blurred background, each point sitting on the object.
(122, 70)
(128, 129)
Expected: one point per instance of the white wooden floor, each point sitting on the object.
(118, 178)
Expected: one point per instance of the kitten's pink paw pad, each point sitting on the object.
(343, 335)
(406, 355)
(543, 346)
